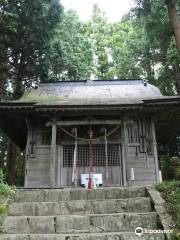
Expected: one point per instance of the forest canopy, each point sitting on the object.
(40, 42)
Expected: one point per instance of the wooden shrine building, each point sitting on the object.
(68, 128)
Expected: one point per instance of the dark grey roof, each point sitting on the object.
(95, 92)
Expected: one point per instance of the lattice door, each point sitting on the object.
(99, 162)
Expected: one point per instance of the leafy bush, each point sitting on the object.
(7, 194)
(170, 191)
(3, 209)
(170, 167)
(1, 176)
(167, 171)
(7, 191)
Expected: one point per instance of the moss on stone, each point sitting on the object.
(37, 96)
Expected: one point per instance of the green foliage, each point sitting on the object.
(69, 53)
(7, 194)
(126, 42)
(166, 168)
(175, 163)
(26, 27)
(175, 235)
(2, 178)
(170, 191)
(98, 33)
(160, 54)
(3, 209)
(140, 46)
(170, 167)
(6, 190)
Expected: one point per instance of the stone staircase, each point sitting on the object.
(80, 214)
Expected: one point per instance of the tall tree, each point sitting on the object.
(161, 43)
(175, 20)
(126, 43)
(26, 27)
(6, 27)
(159, 47)
(69, 54)
(97, 30)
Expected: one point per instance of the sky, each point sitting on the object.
(114, 9)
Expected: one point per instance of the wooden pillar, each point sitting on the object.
(53, 156)
(155, 151)
(11, 162)
(124, 151)
(29, 135)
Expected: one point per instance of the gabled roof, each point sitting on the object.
(73, 98)
(95, 92)
(91, 95)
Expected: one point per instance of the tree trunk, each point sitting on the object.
(1, 89)
(18, 82)
(19, 90)
(11, 163)
(177, 74)
(175, 21)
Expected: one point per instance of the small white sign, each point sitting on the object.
(96, 178)
(132, 174)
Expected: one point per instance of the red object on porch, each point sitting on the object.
(90, 183)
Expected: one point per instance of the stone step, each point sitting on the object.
(123, 222)
(97, 236)
(81, 207)
(56, 195)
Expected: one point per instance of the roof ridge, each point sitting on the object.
(96, 81)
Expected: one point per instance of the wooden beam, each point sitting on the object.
(155, 151)
(85, 122)
(53, 156)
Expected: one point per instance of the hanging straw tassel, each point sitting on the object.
(74, 171)
(106, 154)
(90, 181)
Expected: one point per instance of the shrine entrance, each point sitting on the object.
(113, 168)
(93, 148)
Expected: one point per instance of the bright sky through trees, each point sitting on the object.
(114, 9)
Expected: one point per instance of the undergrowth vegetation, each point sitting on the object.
(7, 194)
(170, 191)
